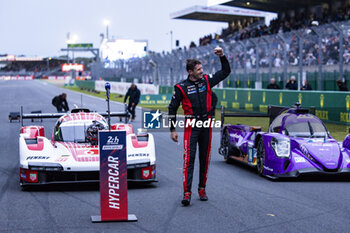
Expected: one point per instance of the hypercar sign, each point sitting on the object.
(113, 175)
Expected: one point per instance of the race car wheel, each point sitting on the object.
(225, 145)
(260, 157)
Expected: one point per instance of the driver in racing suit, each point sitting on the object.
(195, 95)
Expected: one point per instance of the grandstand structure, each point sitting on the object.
(309, 40)
(34, 66)
(39, 67)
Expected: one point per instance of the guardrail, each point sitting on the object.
(329, 106)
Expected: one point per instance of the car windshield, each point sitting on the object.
(308, 128)
(73, 131)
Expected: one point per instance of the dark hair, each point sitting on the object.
(191, 63)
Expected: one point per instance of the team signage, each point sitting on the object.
(66, 67)
(84, 45)
(113, 178)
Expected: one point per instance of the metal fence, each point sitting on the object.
(319, 54)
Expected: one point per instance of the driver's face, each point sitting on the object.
(197, 72)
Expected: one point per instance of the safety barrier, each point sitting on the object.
(122, 87)
(331, 106)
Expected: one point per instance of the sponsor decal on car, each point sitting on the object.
(33, 177)
(268, 168)
(139, 155)
(238, 137)
(91, 152)
(145, 173)
(37, 157)
(299, 160)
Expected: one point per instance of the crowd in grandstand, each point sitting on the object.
(283, 26)
(249, 45)
(301, 20)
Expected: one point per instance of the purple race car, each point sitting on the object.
(297, 142)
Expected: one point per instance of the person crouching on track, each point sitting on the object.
(134, 97)
(60, 102)
(195, 95)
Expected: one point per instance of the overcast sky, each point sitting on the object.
(40, 27)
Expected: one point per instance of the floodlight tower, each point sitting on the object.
(106, 23)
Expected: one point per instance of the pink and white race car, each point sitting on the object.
(72, 155)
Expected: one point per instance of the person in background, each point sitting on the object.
(292, 84)
(60, 102)
(341, 85)
(306, 86)
(134, 97)
(272, 84)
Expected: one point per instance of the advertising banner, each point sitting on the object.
(156, 99)
(122, 87)
(17, 77)
(113, 177)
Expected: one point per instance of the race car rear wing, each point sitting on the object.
(32, 115)
(227, 114)
(272, 112)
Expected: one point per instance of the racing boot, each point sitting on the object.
(202, 195)
(187, 199)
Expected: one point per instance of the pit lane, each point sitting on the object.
(239, 200)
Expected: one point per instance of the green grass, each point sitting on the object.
(337, 131)
(114, 97)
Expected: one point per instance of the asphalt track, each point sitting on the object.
(239, 200)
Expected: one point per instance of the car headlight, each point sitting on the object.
(281, 146)
(45, 167)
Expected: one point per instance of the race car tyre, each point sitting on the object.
(24, 188)
(225, 146)
(260, 156)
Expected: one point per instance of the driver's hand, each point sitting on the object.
(174, 136)
(218, 51)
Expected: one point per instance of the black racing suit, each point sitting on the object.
(60, 103)
(134, 98)
(196, 99)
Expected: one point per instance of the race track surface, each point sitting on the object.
(239, 199)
